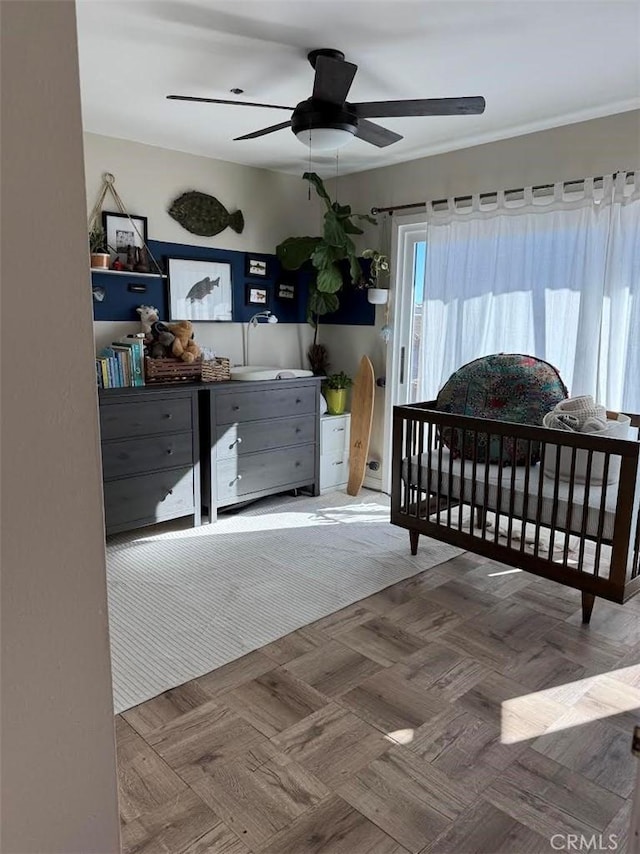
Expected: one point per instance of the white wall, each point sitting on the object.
(274, 207)
(58, 755)
(573, 151)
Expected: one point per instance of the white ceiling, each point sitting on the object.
(539, 64)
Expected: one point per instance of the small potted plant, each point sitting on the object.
(378, 272)
(335, 391)
(98, 248)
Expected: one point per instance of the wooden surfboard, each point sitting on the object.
(361, 419)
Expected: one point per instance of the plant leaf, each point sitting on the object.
(367, 218)
(329, 280)
(324, 255)
(294, 251)
(322, 303)
(334, 232)
(355, 269)
(317, 182)
(350, 228)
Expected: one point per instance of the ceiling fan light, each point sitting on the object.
(324, 139)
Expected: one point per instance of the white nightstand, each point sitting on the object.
(334, 451)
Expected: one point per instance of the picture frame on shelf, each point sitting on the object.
(257, 267)
(256, 295)
(122, 231)
(286, 291)
(199, 290)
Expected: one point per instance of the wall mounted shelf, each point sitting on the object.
(127, 273)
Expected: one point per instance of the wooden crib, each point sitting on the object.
(580, 531)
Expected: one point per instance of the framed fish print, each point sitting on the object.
(199, 290)
(256, 267)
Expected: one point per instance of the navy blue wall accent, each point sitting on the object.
(120, 303)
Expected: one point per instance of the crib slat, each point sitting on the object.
(525, 500)
(496, 532)
(536, 542)
(569, 519)
(420, 461)
(406, 428)
(474, 474)
(512, 496)
(585, 510)
(430, 457)
(462, 477)
(603, 507)
(486, 487)
(554, 505)
(440, 444)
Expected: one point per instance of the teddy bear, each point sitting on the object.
(184, 347)
(148, 315)
(162, 340)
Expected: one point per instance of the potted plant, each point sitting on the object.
(335, 391)
(378, 274)
(325, 253)
(98, 247)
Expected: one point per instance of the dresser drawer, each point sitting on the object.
(143, 417)
(248, 437)
(280, 402)
(135, 456)
(149, 497)
(243, 475)
(334, 433)
(334, 469)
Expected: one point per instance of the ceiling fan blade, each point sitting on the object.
(376, 134)
(422, 107)
(264, 131)
(333, 79)
(220, 101)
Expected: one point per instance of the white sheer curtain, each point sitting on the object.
(557, 277)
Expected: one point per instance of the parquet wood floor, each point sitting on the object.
(463, 711)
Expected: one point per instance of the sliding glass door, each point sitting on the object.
(408, 253)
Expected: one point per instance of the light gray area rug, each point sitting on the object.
(183, 601)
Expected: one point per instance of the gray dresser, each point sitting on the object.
(262, 438)
(150, 455)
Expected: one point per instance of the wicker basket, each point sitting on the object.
(169, 370)
(216, 370)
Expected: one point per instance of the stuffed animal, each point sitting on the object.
(148, 315)
(184, 347)
(162, 340)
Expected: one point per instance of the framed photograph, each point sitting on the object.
(256, 267)
(199, 290)
(256, 296)
(286, 290)
(122, 232)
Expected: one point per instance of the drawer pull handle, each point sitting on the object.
(169, 451)
(298, 463)
(237, 441)
(169, 492)
(235, 407)
(339, 463)
(298, 429)
(338, 429)
(168, 416)
(236, 479)
(298, 400)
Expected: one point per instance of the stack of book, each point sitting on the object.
(121, 364)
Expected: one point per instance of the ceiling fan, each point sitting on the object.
(327, 120)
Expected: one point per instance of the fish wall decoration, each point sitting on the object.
(202, 289)
(202, 214)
